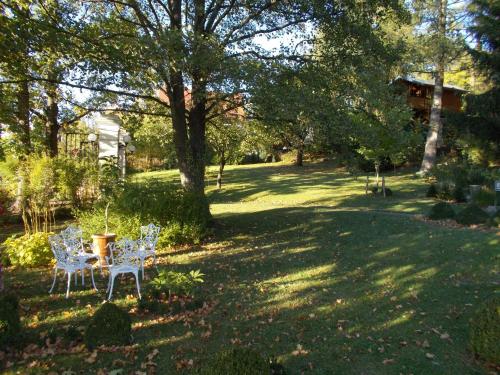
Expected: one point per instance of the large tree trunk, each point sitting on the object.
(189, 134)
(435, 125)
(222, 164)
(23, 116)
(52, 112)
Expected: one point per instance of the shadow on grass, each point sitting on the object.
(361, 292)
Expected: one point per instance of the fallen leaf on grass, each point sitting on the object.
(184, 363)
(153, 354)
(92, 358)
(300, 351)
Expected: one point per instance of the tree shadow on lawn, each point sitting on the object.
(320, 184)
(276, 180)
(355, 289)
(326, 277)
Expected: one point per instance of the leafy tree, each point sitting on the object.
(141, 48)
(225, 135)
(478, 128)
(153, 141)
(439, 37)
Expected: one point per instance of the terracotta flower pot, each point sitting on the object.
(101, 245)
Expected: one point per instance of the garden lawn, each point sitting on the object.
(304, 267)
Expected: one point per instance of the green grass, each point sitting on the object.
(301, 257)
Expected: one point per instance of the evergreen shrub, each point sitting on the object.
(10, 323)
(109, 326)
(485, 331)
(472, 214)
(441, 211)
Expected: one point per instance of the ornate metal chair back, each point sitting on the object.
(124, 253)
(149, 235)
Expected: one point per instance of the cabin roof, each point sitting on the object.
(426, 82)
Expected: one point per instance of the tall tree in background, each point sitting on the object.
(435, 123)
(486, 19)
(15, 61)
(440, 39)
(195, 53)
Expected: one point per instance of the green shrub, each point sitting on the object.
(484, 198)
(495, 220)
(445, 192)
(109, 326)
(476, 175)
(442, 210)
(237, 361)
(10, 324)
(472, 214)
(431, 191)
(177, 283)
(485, 331)
(458, 194)
(92, 222)
(184, 217)
(29, 250)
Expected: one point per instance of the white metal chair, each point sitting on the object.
(73, 240)
(68, 263)
(147, 244)
(123, 259)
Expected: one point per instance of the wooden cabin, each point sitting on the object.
(419, 94)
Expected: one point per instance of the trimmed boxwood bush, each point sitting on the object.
(431, 191)
(109, 326)
(485, 331)
(10, 324)
(442, 210)
(237, 361)
(472, 214)
(458, 194)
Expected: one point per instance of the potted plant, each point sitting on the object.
(102, 240)
(110, 183)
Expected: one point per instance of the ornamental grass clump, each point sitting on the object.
(472, 214)
(237, 361)
(442, 211)
(485, 331)
(10, 324)
(109, 326)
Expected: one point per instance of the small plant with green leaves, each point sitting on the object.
(172, 291)
(177, 283)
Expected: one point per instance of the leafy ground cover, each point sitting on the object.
(302, 266)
